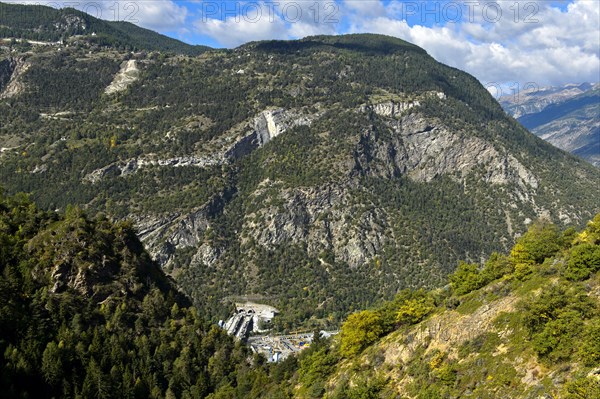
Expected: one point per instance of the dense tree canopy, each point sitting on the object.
(84, 312)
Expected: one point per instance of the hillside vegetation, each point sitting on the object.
(85, 313)
(522, 325)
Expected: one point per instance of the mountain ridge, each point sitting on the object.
(55, 25)
(320, 174)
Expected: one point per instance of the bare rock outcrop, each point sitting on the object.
(128, 74)
(127, 167)
(321, 218)
(11, 71)
(424, 149)
(266, 126)
(164, 235)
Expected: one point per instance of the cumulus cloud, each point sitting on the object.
(158, 15)
(541, 44)
(232, 32)
(232, 24)
(164, 15)
(308, 18)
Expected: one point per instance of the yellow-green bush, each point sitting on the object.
(360, 330)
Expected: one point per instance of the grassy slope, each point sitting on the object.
(522, 335)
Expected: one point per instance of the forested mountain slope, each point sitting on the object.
(317, 175)
(47, 24)
(84, 312)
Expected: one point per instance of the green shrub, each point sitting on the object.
(497, 266)
(523, 270)
(584, 259)
(541, 241)
(315, 366)
(446, 374)
(589, 348)
(360, 330)
(582, 388)
(592, 232)
(556, 342)
(415, 309)
(466, 278)
(555, 319)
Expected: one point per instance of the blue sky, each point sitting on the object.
(500, 42)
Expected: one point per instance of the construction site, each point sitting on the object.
(249, 318)
(278, 347)
(251, 322)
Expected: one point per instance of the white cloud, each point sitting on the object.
(561, 47)
(307, 18)
(158, 15)
(232, 32)
(249, 21)
(162, 15)
(302, 29)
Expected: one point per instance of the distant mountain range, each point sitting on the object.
(567, 116)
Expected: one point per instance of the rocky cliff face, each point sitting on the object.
(300, 218)
(163, 236)
(266, 126)
(130, 166)
(420, 148)
(11, 69)
(424, 149)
